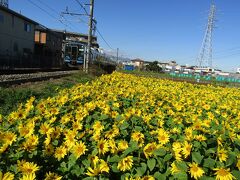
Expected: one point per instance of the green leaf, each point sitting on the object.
(167, 157)
(209, 163)
(88, 178)
(124, 176)
(114, 168)
(181, 176)
(138, 128)
(103, 117)
(197, 157)
(141, 170)
(71, 161)
(55, 142)
(231, 159)
(124, 125)
(30, 155)
(95, 152)
(207, 178)
(182, 166)
(77, 170)
(196, 144)
(63, 167)
(236, 174)
(86, 163)
(133, 147)
(115, 158)
(13, 168)
(159, 152)
(151, 163)
(159, 176)
(210, 151)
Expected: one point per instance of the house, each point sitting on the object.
(138, 63)
(48, 47)
(16, 38)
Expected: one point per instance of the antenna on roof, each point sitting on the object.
(4, 3)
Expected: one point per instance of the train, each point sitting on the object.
(75, 54)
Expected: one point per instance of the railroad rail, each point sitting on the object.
(11, 79)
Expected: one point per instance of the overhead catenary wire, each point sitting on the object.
(56, 12)
(82, 6)
(104, 39)
(36, 5)
(96, 27)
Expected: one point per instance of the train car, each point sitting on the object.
(74, 53)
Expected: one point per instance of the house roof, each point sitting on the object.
(137, 60)
(17, 15)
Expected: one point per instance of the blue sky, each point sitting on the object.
(150, 29)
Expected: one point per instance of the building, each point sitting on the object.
(25, 43)
(238, 70)
(77, 37)
(48, 47)
(138, 63)
(16, 38)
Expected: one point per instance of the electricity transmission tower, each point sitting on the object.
(205, 56)
(4, 3)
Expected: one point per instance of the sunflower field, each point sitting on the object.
(126, 127)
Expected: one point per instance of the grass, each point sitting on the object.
(10, 97)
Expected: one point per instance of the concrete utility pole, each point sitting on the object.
(89, 35)
(117, 53)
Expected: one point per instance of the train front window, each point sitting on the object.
(68, 51)
(74, 53)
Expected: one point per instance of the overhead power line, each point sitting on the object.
(86, 13)
(36, 5)
(53, 10)
(104, 39)
(82, 6)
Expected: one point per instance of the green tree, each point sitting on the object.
(153, 66)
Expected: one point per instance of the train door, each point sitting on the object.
(74, 54)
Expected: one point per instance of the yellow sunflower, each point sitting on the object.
(186, 149)
(103, 146)
(222, 155)
(60, 152)
(27, 168)
(6, 176)
(79, 149)
(28, 177)
(52, 176)
(122, 145)
(195, 171)
(149, 149)
(163, 136)
(125, 164)
(223, 174)
(174, 168)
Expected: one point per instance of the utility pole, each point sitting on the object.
(89, 36)
(117, 53)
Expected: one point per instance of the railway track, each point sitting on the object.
(12, 79)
